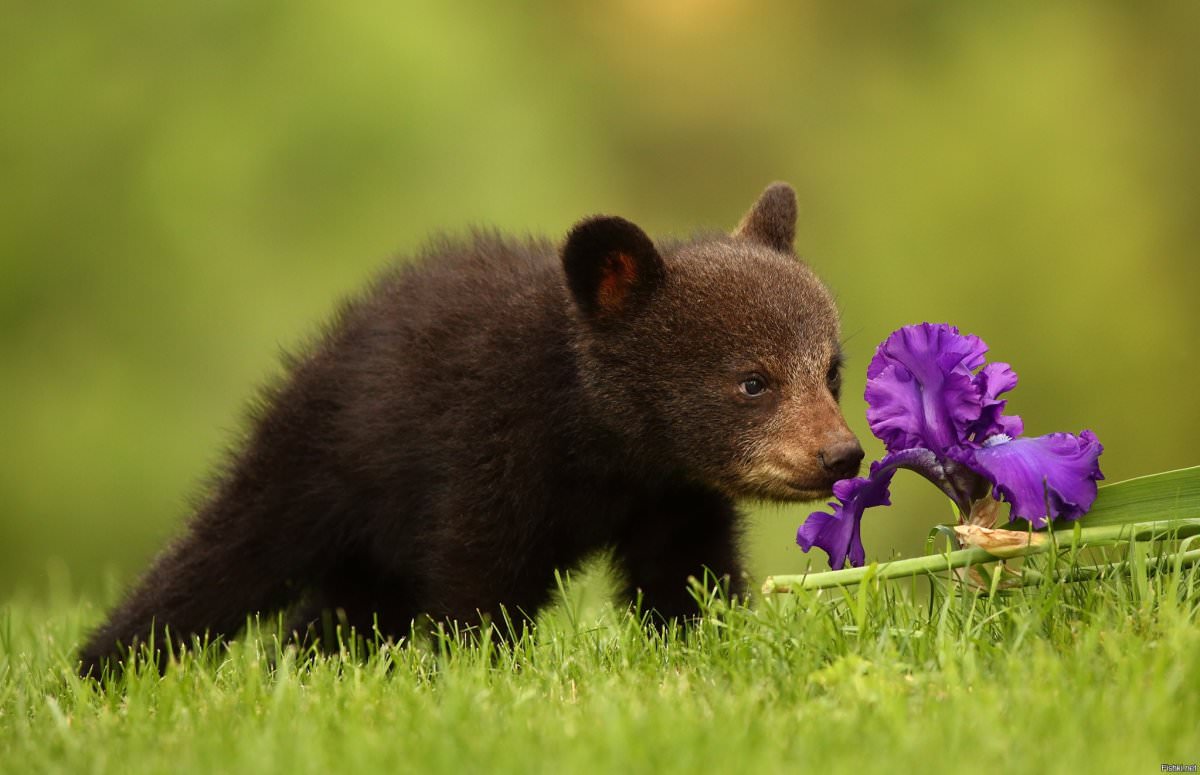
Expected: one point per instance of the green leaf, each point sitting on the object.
(1169, 495)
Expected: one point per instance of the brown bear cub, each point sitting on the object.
(501, 409)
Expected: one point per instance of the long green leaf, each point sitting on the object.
(1169, 495)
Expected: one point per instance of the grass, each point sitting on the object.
(1050, 678)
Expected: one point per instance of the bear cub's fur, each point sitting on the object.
(501, 409)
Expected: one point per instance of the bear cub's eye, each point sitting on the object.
(753, 386)
(833, 377)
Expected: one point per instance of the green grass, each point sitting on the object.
(1102, 676)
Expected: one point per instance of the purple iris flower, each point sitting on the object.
(936, 405)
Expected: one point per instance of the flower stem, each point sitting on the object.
(1070, 536)
(1030, 576)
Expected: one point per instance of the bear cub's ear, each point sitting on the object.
(772, 219)
(611, 266)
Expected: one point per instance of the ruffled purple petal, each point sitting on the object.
(992, 380)
(838, 532)
(921, 390)
(1058, 471)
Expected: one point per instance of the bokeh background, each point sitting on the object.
(187, 188)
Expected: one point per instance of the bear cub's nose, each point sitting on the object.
(842, 459)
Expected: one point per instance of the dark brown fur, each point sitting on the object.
(480, 418)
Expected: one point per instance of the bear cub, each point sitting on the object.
(502, 408)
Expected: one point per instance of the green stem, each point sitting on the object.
(1106, 534)
(1166, 562)
(915, 566)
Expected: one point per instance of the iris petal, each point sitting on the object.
(838, 532)
(921, 391)
(1058, 471)
(992, 380)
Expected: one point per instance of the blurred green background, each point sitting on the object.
(186, 188)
